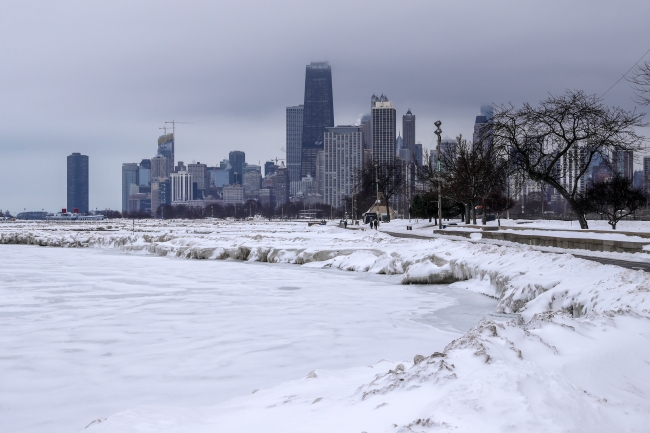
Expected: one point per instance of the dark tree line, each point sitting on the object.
(425, 205)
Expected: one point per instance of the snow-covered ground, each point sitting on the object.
(570, 353)
(622, 226)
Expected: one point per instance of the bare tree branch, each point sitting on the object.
(640, 80)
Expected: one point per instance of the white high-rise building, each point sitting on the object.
(294, 141)
(383, 129)
(343, 156)
(571, 165)
(181, 183)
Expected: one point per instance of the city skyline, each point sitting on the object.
(108, 102)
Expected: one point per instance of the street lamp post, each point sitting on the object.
(438, 132)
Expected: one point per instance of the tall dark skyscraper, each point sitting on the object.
(78, 182)
(482, 128)
(318, 113)
(237, 160)
(294, 141)
(408, 129)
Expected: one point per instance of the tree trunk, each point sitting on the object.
(582, 219)
(473, 213)
(484, 218)
(467, 214)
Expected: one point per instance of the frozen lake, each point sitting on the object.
(89, 332)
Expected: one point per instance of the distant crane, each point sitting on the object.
(278, 159)
(174, 122)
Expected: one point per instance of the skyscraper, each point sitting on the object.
(181, 186)
(252, 180)
(487, 111)
(130, 174)
(144, 173)
(237, 160)
(383, 129)
(270, 168)
(417, 155)
(408, 129)
(343, 160)
(399, 144)
(646, 174)
(159, 168)
(365, 126)
(623, 163)
(294, 141)
(78, 182)
(318, 113)
(166, 149)
(482, 126)
(200, 176)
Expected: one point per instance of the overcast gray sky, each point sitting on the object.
(100, 78)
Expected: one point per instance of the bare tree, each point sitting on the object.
(556, 142)
(615, 198)
(386, 178)
(468, 174)
(498, 202)
(640, 81)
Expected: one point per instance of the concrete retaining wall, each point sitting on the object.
(557, 242)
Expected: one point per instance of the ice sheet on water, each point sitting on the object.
(87, 333)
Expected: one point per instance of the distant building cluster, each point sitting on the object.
(570, 166)
(163, 181)
(324, 160)
(321, 165)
